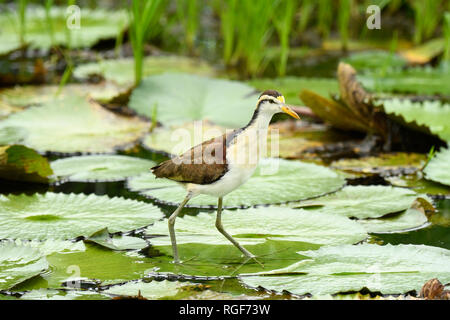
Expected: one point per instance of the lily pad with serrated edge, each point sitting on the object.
(438, 169)
(92, 168)
(363, 202)
(274, 181)
(332, 269)
(72, 124)
(256, 225)
(184, 97)
(19, 263)
(121, 71)
(66, 216)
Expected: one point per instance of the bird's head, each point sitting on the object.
(272, 101)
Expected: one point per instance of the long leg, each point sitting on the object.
(172, 218)
(222, 231)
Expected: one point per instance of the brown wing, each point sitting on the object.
(202, 164)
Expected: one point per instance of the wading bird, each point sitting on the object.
(222, 164)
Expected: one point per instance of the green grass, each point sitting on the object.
(283, 23)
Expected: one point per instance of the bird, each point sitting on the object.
(222, 164)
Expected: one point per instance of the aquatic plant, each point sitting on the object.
(283, 24)
(188, 13)
(142, 15)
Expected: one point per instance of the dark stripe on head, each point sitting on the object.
(273, 93)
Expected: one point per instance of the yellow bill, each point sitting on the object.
(290, 112)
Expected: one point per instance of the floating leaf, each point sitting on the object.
(19, 97)
(332, 269)
(255, 225)
(418, 184)
(400, 222)
(19, 263)
(364, 202)
(49, 246)
(19, 163)
(95, 25)
(116, 242)
(52, 294)
(150, 290)
(412, 80)
(385, 164)
(291, 86)
(100, 167)
(438, 169)
(95, 264)
(73, 125)
(274, 181)
(65, 216)
(374, 60)
(121, 71)
(184, 97)
(425, 52)
(428, 116)
(178, 139)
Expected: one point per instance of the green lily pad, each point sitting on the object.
(401, 222)
(438, 169)
(94, 25)
(364, 202)
(418, 184)
(19, 263)
(411, 80)
(332, 269)
(385, 163)
(429, 115)
(291, 86)
(96, 263)
(53, 294)
(183, 97)
(66, 216)
(274, 181)
(100, 168)
(374, 60)
(49, 246)
(71, 125)
(121, 71)
(255, 225)
(149, 290)
(19, 97)
(19, 163)
(175, 140)
(116, 242)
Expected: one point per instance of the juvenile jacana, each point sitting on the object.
(220, 165)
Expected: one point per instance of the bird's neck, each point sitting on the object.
(260, 120)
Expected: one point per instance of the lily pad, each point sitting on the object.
(374, 60)
(116, 242)
(96, 264)
(72, 125)
(49, 246)
(256, 225)
(291, 86)
(418, 184)
(412, 80)
(183, 97)
(19, 263)
(384, 164)
(408, 220)
(364, 202)
(332, 269)
(438, 169)
(100, 168)
(19, 163)
(66, 216)
(429, 115)
(149, 290)
(94, 25)
(19, 97)
(121, 71)
(274, 181)
(53, 294)
(175, 140)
